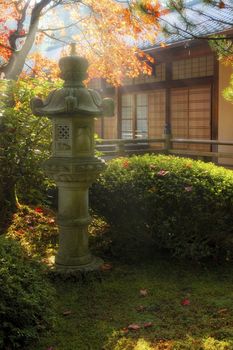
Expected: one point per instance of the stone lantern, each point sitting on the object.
(73, 164)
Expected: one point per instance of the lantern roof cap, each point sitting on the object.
(73, 97)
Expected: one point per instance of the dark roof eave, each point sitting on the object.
(185, 41)
(167, 46)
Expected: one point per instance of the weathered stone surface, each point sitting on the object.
(73, 98)
(73, 164)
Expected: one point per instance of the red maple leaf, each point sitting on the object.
(38, 210)
(125, 164)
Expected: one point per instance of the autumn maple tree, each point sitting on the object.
(107, 32)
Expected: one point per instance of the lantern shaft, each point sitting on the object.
(73, 165)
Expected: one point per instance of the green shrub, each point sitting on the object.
(25, 142)
(166, 202)
(36, 230)
(26, 298)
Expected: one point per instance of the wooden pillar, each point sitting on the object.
(168, 94)
(118, 93)
(134, 121)
(214, 100)
(167, 126)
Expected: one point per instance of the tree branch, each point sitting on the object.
(42, 30)
(54, 38)
(18, 58)
(16, 34)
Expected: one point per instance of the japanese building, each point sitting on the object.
(183, 93)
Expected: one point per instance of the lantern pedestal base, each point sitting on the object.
(93, 265)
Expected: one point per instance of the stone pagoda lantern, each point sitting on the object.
(73, 165)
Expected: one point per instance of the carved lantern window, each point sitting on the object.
(63, 138)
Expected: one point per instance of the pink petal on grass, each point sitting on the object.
(148, 324)
(143, 292)
(188, 188)
(185, 302)
(106, 267)
(162, 172)
(134, 327)
(67, 313)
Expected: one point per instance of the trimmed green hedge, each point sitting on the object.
(26, 297)
(179, 204)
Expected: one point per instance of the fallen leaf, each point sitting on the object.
(38, 210)
(188, 188)
(125, 330)
(148, 324)
(163, 172)
(106, 267)
(221, 4)
(143, 292)
(134, 327)
(221, 311)
(19, 232)
(185, 302)
(67, 313)
(140, 308)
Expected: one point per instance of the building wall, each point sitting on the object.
(225, 114)
(191, 116)
(180, 93)
(110, 127)
(106, 127)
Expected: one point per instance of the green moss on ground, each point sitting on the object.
(175, 305)
(96, 315)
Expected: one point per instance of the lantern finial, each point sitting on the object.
(73, 49)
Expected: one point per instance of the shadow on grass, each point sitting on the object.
(184, 307)
(6, 219)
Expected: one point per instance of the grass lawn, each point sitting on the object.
(181, 307)
(162, 304)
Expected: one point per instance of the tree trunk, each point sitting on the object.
(8, 204)
(16, 63)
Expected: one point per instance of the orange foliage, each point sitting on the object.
(42, 67)
(227, 60)
(114, 34)
(109, 35)
(10, 14)
(5, 52)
